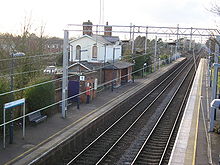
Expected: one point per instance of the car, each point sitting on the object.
(50, 70)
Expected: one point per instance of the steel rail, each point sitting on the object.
(79, 154)
(154, 128)
(175, 123)
(137, 119)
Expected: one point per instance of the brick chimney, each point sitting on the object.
(107, 30)
(87, 28)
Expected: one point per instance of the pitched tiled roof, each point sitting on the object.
(88, 65)
(118, 65)
(106, 39)
(101, 39)
(109, 40)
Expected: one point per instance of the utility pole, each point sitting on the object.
(132, 46)
(194, 57)
(114, 78)
(190, 44)
(217, 49)
(209, 62)
(130, 31)
(214, 95)
(65, 73)
(215, 87)
(104, 64)
(177, 40)
(146, 38)
(11, 132)
(155, 54)
(113, 70)
(133, 61)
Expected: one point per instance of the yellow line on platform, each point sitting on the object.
(46, 140)
(65, 128)
(198, 109)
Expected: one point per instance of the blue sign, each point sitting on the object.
(14, 103)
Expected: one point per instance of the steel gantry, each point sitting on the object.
(151, 30)
(130, 32)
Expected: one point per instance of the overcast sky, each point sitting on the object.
(55, 14)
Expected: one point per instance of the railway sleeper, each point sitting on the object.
(157, 142)
(153, 152)
(153, 147)
(147, 160)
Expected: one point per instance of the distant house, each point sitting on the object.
(53, 45)
(95, 48)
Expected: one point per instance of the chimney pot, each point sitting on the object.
(87, 28)
(107, 30)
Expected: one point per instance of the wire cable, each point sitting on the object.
(23, 57)
(58, 102)
(17, 90)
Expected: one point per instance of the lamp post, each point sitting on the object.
(144, 67)
(19, 54)
(155, 54)
(133, 61)
(113, 71)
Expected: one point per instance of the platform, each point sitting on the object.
(194, 144)
(42, 138)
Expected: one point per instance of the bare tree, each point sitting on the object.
(215, 9)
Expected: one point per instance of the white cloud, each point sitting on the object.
(56, 14)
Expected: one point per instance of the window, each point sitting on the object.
(94, 51)
(78, 52)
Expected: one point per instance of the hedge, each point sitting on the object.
(40, 96)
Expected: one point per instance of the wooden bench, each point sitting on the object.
(37, 117)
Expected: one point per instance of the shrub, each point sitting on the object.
(4, 87)
(40, 96)
(139, 63)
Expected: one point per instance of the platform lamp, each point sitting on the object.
(19, 54)
(144, 67)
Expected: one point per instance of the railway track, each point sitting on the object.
(107, 148)
(157, 147)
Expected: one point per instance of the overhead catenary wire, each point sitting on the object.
(17, 90)
(18, 66)
(70, 75)
(58, 79)
(15, 74)
(23, 57)
(35, 56)
(67, 76)
(20, 89)
(58, 102)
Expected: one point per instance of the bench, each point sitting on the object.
(37, 117)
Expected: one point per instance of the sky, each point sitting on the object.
(56, 14)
